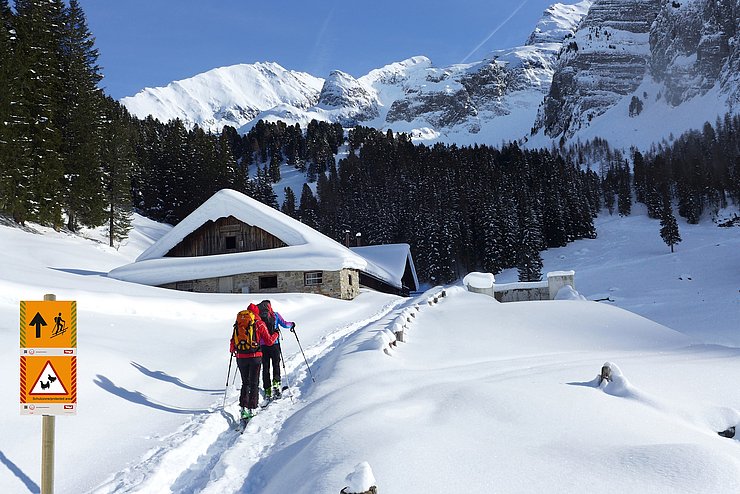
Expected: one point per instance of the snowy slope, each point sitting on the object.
(481, 396)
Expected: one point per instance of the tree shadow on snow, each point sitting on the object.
(163, 376)
(141, 399)
(30, 484)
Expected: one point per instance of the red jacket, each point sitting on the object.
(261, 332)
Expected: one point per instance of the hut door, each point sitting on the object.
(226, 284)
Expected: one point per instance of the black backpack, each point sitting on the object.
(267, 315)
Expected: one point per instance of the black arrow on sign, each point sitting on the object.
(38, 321)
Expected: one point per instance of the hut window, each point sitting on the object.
(231, 243)
(268, 281)
(186, 286)
(313, 278)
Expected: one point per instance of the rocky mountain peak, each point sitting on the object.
(558, 21)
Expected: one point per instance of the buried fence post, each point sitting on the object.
(606, 373)
(371, 490)
(361, 480)
(728, 433)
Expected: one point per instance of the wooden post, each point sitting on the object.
(606, 373)
(372, 490)
(47, 454)
(47, 443)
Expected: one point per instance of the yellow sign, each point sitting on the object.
(48, 385)
(48, 324)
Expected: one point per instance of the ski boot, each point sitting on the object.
(245, 415)
(276, 390)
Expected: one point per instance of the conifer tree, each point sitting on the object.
(491, 258)
(529, 260)
(328, 205)
(668, 225)
(554, 203)
(206, 173)
(174, 177)
(307, 208)
(36, 185)
(289, 205)
(229, 173)
(117, 155)
(274, 170)
(146, 176)
(81, 122)
(624, 191)
(7, 96)
(263, 188)
(638, 167)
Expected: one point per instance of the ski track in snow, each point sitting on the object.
(208, 455)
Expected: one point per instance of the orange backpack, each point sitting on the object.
(245, 332)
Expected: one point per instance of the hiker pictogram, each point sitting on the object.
(60, 326)
(48, 382)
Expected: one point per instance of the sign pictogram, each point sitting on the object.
(48, 324)
(48, 382)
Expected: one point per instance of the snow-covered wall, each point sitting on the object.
(522, 291)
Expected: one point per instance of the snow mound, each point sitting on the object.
(361, 479)
(479, 280)
(617, 384)
(569, 293)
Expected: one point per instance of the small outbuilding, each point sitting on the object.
(396, 261)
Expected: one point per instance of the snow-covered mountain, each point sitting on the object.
(497, 96)
(231, 95)
(585, 71)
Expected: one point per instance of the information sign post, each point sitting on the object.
(48, 370)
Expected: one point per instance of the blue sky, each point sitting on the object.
(146, 43)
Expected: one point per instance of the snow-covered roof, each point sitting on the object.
(390, 259)
(306, 248)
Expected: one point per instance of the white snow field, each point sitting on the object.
(481, 397)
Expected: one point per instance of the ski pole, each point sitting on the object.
(227, 380)
(290, 386)
(292, 330)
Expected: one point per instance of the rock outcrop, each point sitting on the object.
(687, 47)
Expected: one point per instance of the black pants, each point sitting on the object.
(270, 360)
(249, 368)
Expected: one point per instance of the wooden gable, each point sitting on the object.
(224, 236)
(408, 281)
